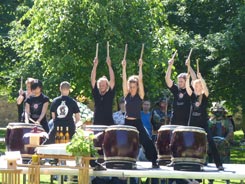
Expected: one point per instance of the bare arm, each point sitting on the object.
(168, 80)
(43, 113)
(188, 88)
(93, 73)
(53, 115)
(77, 117)
(20, 97)
(111, 73)
(190, 69)
(124, 77)
(204, 86)
(27, 112)
(141, 85)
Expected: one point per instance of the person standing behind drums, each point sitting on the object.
(133, 91)
(181, 102)
(103, 93)
(119, 116)
(199, 116)
(21, 99)
(36, 106)
(62, 109)
(146, 116)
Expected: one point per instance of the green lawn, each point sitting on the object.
(237, 156)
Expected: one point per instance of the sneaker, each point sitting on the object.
(221, 168)
(155, 165)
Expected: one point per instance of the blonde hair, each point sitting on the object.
(133, 79)
(103, 78)
(29, 80)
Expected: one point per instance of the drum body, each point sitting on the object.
(163, 144)
(99, 132)
(188, 147)
(16, 139)
(121, 146)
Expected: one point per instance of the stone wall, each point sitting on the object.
(8, 111)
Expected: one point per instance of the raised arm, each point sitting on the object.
(20, 97)
(141, 85)
(187, 85)
(111, 73)
(168, 80)
(190, 69)
(204, 86)
(124, 77)
(93, 73)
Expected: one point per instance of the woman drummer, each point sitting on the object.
(133, 91)
(199, 116)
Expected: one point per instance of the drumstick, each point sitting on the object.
(142, 51)
(97, 50)
(108, 50)
(174, 54)
(166, 110)
(125, 51)
(197, 66)
(188, 59)
(32, 120)
(21, 83)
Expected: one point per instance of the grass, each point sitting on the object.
(237, 156)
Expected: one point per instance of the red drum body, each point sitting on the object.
(121, 146)
(189, 148)
(15, 139)
(163, 143)
(99, 132)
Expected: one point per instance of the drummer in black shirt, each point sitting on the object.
(133, 91)
(62, 109)
(36, 106)
(103, 93)
(199, 116)
(181, 103)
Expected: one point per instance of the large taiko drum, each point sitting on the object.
(163, 144)
(121, 146)
(189, 148)
(99, 132)
(16, 139)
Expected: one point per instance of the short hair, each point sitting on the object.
(65, 85)
(103, 78)
(29, 80)
(133, 79)
(182, 75)
(36, 83)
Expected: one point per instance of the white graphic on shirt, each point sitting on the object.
(62, 110)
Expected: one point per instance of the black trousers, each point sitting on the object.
(144, 139)
(213, 148)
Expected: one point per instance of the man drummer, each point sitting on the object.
(103, 94)
(181, 103)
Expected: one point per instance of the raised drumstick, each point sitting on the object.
(198, 66)
(142, 51)
(188, 60)
(108, 50)
(97, 50)
(125, 51)
(174, 54)
(21, 83)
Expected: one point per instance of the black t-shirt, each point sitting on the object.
(36, 105)
(199, 116)
(21, 108)
(103, 106)
(64, 107)
(133, 106)
(181, 106)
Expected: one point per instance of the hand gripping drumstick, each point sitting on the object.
(97, 50)
(174, 54)
(142, 51)
(108, 50)
(125, 51)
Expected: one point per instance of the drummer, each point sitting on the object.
(21, 99)
(133, 91)
(199, 116)
(62, 109)
(36, 106)
(181, 102)
(103, 93)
